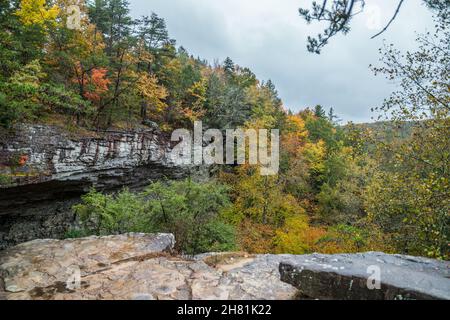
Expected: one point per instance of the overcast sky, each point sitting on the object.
(269, 37)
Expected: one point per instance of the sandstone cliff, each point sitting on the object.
(44, 170)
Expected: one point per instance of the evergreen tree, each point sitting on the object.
(319, 112)
(228, 66)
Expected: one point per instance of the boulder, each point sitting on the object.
(372, 275)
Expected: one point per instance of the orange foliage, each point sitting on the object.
(295, 135)
(97, 84)
(23, 160)
(255, 237)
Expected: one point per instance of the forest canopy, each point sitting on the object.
(341, 188)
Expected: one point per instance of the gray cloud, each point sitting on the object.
(269, 37)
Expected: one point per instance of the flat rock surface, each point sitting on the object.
(143, 267)
(355, 276)
(134, 267)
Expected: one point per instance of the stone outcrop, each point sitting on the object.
(141, 267)
(135, 267)
(36, 154)
(44, 171)
(346, 276)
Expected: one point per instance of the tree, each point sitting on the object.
(113, 20)
(261, 198)
(196, 100)
(10, 44)
(228, 67)
(153, 96)
(245, 78)
(152, 33)
(226, 104)
(332, 117)
(35, 12)
(319, 112)
(191, 211)
(97, 85)
(297, 236)
(27, 96)
(320, 128)
(21, 94)
(73, 54)
(409, 195)
(338, 14)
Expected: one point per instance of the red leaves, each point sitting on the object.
(22, 160)
(97, 84)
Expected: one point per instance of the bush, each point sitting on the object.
(102, 214)
(352, 239)
(189, 210)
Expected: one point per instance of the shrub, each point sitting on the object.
(189, 210)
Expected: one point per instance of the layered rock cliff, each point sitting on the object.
(44, 170)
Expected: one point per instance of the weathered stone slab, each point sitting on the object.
(135, 266)
(346, 276)
(140, 266)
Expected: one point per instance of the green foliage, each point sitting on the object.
(56, 98)
(103, 214)
(116, 71)
(189, 210)
(409, 195)
(19, 97)
(5, 179)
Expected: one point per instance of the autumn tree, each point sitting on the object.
(409, 195)
(36, 12)
(26, 96)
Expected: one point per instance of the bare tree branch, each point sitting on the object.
(323, 9)
(392, 19)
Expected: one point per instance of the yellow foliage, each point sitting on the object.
(197, 98)
(152, 92)
(35, 12)
(297, 236)
(315, 154)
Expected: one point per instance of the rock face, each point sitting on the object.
(347, 276)
(135, 267)
(43, 172)
(48, 154)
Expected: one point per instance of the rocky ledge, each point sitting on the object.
(135, 266)
(44, 170)
(139, 266)
(368, 276)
